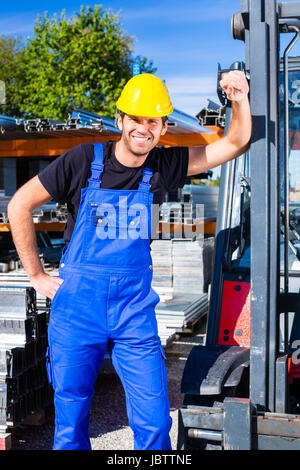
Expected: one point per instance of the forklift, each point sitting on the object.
(241, 389)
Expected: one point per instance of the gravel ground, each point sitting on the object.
(109, 428)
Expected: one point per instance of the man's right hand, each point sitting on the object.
(45, 284)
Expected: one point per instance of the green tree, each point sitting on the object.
(83, 62)
(11, 55)
(215, 182)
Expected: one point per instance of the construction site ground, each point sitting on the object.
(109, 429)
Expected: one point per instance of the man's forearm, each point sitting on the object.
(240, 129)
(24, 238)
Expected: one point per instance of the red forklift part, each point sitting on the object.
(5, 441)
(293, 370)
(235, 314)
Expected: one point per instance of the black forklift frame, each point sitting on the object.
(263, 419)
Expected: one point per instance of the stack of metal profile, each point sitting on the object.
(39, 125)
(24, 385)
(8, 123)
(187, 261)
(87, 119)
(4, 200)
(212, 115)
(182, 123)
(175, 315)
(176, 212)
(187, 213)
(161, 252)
(79, 123)
(171, 212)
(50, 212)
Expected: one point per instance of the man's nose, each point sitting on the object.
(143, 126)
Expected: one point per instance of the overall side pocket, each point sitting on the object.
(57, 293)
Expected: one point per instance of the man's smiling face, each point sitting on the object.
(141, 134)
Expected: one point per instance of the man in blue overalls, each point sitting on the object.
(103, 296)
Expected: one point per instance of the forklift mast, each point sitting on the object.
(242, 388)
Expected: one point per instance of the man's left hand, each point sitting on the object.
(235, 85)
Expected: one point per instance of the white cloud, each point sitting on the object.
(191, 85)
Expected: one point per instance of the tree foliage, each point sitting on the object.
(11, 54)
(80, 62)
(213, 182)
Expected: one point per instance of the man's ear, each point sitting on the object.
(165, 128)
(119, 122)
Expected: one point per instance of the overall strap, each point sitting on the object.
(96, 167)
(144, 184)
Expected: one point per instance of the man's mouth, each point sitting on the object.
(140, 139)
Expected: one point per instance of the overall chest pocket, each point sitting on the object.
(112, 222)
(115, 232)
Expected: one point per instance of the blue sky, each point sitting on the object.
(185, 39)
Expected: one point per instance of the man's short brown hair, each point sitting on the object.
(120, 113)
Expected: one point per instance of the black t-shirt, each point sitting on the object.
(68, 174)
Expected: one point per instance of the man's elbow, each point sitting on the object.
(12, 207)
(16, 204)
(244, 148)
(241, 148)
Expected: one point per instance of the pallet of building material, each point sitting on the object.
(14, 330)
(17, 300)
(13, 324)
(161, 252)
(161, 246)
(15, 355)
(183, 310)
(166, 335)
(187, 259)
(165, 293)
(14, 410)
(162, 277)
(23, 343)
(24, 388)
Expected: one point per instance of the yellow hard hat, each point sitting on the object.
(145, 95)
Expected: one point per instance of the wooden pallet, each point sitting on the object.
(193, 327)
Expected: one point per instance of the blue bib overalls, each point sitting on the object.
(106, 300)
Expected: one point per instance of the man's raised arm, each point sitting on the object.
(237, 139)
